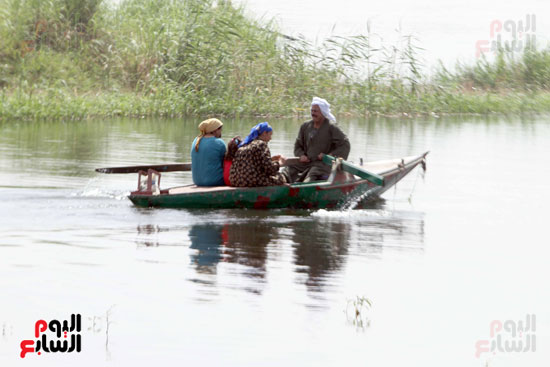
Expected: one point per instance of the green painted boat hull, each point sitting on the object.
(305, 196)
(315, 195)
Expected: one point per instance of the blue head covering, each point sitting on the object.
(255, 132)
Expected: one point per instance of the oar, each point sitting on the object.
(358, 171)
(157, 167)
(175, 167)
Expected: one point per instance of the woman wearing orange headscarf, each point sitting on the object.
(207, 152)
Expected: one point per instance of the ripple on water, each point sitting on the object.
(352, 214)
(101, 193)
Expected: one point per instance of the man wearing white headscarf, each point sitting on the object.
(316, 138)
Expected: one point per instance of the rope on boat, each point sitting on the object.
(420, 173)
(394, 195)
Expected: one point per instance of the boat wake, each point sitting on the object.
(358, 214)
(100, 193)
(95, 189)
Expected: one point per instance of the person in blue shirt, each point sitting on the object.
(207, 153)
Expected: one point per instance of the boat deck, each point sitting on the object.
(378, 167)
(189, 189)
(381, 167)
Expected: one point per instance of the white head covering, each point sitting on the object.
(324, 106)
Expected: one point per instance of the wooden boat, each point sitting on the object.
(346, 183)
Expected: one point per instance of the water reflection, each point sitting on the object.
(217, 246)
(314, 247)
(145, 235)
(244, 244)
(207, 241)
(320, 249)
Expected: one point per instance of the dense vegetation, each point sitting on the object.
(81, 58)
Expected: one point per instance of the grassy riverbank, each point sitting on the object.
(86, 58)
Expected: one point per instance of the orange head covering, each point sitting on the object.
(206, 127)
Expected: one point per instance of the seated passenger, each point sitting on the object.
(317, 137)
(207, 152)
(232, 147)
(253, 164)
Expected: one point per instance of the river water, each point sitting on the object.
(444, 255)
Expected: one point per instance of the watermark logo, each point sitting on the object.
(41, 328)
(515, 36)
(509, 337)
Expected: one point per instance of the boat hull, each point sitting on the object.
(313, 195)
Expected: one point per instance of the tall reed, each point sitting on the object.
(80, 58)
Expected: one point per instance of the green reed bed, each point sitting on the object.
(88, 58)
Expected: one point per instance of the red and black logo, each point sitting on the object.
(54, 337)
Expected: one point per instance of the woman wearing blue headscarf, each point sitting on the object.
(253, 164)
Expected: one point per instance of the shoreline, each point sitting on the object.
(64, 106)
